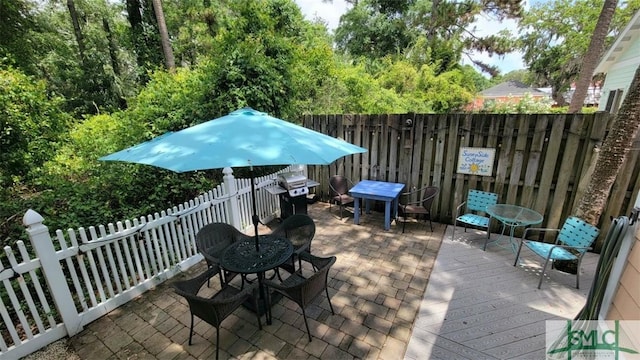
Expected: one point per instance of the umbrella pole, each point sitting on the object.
(254, 217)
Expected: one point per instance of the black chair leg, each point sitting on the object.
(404, 223)
(329, 300)
(191, 330)
(217, 344)
(304, 315)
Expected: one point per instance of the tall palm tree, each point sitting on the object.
(624, 129)
(591, 58)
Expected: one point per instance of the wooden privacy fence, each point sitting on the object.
(542, 161)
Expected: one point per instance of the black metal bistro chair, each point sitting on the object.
(303, 290)
(421, 207)
(216, 309)
(299, 229)
(339, 192)
(212, 240)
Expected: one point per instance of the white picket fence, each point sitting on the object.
(80, 275)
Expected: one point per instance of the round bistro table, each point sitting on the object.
(242, 257)
(514, 216)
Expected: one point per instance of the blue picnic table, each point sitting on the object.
(376, 190)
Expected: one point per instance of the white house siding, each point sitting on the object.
(621, 73)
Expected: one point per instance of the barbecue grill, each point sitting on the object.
(294, 182)
(294, 199)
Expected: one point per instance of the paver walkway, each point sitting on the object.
(476, 304)
(376, 288)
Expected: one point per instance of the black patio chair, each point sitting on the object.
(304, 290)
(212, 240)
(216, 309)
(339, 192)
(421, 207)
(299, 229)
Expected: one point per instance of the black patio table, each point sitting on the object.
(242, 257)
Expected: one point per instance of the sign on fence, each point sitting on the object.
(476, 161)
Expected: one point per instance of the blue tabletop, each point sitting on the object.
(369, 188)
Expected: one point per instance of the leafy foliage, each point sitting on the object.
(525, 105)
(555, 36)
(394, 57)
(377, 28)
(17, 50)
(32, 125)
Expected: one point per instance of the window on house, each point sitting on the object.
(613, 101)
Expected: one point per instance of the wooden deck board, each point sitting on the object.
(479, 306)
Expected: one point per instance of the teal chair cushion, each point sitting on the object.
(542, 249)
(475, 220)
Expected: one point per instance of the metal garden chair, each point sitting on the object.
(303, 290)
(216, 309)
(474, 214)
(299, 229)
(212, 240)
(419, 207)
(572, 242)
(339, 192)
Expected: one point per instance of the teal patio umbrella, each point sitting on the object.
(245, 137)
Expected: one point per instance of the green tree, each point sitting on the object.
(30, 128)
(254, 61)
(524, 76)
(555, 36)
(95, 76)
(144, 36)
(17, 48)
(375, 28)
(592, 56)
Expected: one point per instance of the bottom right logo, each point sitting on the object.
(593, 339)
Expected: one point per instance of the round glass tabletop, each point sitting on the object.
(514, 215)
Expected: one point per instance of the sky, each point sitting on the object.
(330, 13)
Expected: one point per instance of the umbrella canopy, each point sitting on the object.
(245, 137)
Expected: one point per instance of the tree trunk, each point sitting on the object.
(164, 36)
(591, 58)
(134, 16)
(557, 96)
(77, 31)
(113, 48)
(115, 63)
(616, 146)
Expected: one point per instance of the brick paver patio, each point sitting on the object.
(376, 288)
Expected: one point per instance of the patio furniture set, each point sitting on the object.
(229, 253)
(572, 241)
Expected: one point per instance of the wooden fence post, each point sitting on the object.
(230, 189)
(52, 271)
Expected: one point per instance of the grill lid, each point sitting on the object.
(294, 182)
